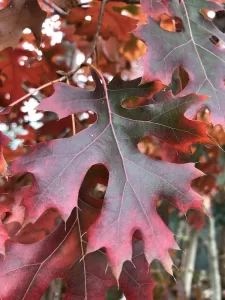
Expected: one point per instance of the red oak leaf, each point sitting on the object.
(17, 16)
(59, 256)
(16, 208)
(136, 181)
(15, 213)
(11, 222)
(33, 233)
(16, 70)
(194, 48)
(113, 24)
(155, 8)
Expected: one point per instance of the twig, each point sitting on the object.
(100, 17)
(123, 1)
(73, 124)
(63, 78)
(72, 116)
(127, 1)
(34, 91)
(64, 75)
(56, 8)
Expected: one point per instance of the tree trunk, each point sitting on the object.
(189, 265)
(222, 258)
(213, 261)
(54, 291)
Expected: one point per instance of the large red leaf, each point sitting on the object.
(59, 256)
(136, 181)
(18, 15)
(191, 48)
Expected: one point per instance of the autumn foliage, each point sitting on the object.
(102, 107)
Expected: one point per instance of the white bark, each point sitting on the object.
(213, 261)
(189, 269)
(54, 291)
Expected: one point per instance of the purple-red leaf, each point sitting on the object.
(198, 48)
(155, 8)
(136, 181)
(60, 256)
(18, 15)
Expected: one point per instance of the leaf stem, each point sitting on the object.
(72, 116)
(73, 124)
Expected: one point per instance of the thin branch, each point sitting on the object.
(64, 75)
(100, 17)
(127, 1)
(121, 1)
(72, 116)
(73, 124)
(56, 8)
(35, 91)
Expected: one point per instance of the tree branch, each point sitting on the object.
(56, 8)
(100, 17)
(64, 75)
(123, 1)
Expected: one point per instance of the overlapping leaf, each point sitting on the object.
(155, 7)
(113, 24)
(3, 232)
(192, 48)
(15, 213)
(59, 256)
(15, 70)
(65, 4)
(17, 16)
(136, 182)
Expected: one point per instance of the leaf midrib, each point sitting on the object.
(199, 57)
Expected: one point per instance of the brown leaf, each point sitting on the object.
(65, 4)
(17, 16)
